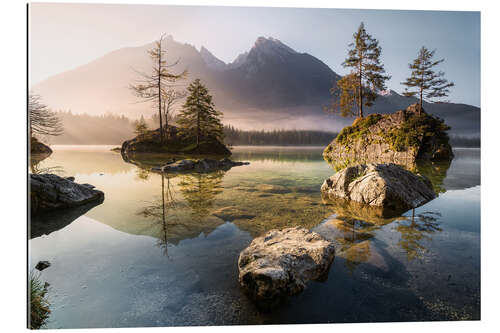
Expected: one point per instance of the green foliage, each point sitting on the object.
(367, 76)
(140, 127)
(198, 117)
(427, 83)
(39, 306)
(236, 136)
(357, 130)
(417, 130)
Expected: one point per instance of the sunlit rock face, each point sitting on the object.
(386, 186)
(281, 262)
(403, 138)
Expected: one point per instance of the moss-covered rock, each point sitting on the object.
(173, 143)
(402, 138)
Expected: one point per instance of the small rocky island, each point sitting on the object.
(173, 143)
(281, 262)
(403, 138)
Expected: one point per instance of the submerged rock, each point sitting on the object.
(381, 185)
(233, 213)
(281, 262)
(51, 192)
(203, 165)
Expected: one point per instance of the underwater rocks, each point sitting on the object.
(203, 165)
(50, 192)
(380, 185)
(280, 263)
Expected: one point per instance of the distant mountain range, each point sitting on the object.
(270, 86)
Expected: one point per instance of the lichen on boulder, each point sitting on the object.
(402, 137)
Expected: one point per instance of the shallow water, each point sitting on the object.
(163, 251)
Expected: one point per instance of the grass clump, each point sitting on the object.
(415, 131)
(357, 130)
(39, 305)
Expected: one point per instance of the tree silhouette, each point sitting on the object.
(427, 83)
(152, 87)
(367, 76)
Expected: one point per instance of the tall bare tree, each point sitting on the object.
(42, 121)
(152, 87)
(170, 98)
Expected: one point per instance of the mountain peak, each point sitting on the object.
(212, 61)
(272, 45)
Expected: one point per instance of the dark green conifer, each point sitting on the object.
(198, 117)
(359, 88)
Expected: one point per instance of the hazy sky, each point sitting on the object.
(64, 36)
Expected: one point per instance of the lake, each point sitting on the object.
(163, 251)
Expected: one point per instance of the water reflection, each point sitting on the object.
(48, 222)
(158, 211)
(200, 190)
(415, 231)
(36, 166)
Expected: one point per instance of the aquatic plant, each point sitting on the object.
(38, 303)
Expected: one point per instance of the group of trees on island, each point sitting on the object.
(197, 118)
(367, 77)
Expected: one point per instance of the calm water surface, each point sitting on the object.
(163, 250)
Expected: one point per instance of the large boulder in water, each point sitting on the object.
(381, 185)
(280, 263)
(51, 192)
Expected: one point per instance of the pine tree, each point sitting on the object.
(359, 88)
(140, 126)
(152, 87)
(198, 117)
(427, 83)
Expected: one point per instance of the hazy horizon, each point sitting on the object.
(66, 36)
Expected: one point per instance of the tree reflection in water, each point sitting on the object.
(158, 210)
(199, 190)
(37, 168)
(416, 231)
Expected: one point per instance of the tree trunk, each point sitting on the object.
(421, 103)
(360, 92)
(198, 129)
(159, 93)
